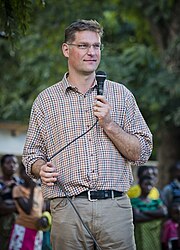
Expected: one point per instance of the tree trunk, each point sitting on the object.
(168, 153)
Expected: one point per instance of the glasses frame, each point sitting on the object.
(87, 46)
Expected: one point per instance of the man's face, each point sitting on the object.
(83, 61)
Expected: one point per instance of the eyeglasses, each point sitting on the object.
(86, 46)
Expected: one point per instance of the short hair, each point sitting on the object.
(82, 25)
(141, 169)
(3, 158)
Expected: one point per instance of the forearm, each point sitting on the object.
(36, 167)
(7, 209)
(158, 213)
(25, 204)
(142, 218)
(128, 145)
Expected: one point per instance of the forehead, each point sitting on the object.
(10, 159)
(147, 170)
(87, 36)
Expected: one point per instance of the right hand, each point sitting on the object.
(48, 174)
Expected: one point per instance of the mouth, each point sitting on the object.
(90, 60)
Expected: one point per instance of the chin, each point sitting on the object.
(89, 71)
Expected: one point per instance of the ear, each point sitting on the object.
(65, 50)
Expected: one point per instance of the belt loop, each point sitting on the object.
(112, 194)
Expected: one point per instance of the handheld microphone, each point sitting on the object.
(100, 78)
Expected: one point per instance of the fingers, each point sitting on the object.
(48, 174)
(101, 99)
(101, 107)
(102, 110)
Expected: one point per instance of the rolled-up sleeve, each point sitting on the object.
(136, 125)
(35, 147)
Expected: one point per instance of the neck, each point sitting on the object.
(143, 196)
(82, 82)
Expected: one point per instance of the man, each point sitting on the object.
(95, 169)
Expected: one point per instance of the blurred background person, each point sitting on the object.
(171, 192)
(148, 214)
(171, 229)
(8, 211)
(26, 233)
(145, 170)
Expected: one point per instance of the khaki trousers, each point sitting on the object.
(110, 221)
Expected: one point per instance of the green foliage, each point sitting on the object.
(157, 10)
(141, 50)
(15, 17)
(156, 89)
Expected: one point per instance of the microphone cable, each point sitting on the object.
(61, 149)
(64, 191)
(78, 214)
(100, 77)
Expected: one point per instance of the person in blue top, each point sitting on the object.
(171, 192)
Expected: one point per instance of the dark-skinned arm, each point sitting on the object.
(159, 213)
(139, 216)
(25, 203)
(6, 209)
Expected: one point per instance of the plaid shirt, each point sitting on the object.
(60, 114)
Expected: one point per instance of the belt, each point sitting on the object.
(93, 195)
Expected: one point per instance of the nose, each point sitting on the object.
(13, 165)
(91, 49)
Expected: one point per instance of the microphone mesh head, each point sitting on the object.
(101, 74)
(100, 78)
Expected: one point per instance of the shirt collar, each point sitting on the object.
(66, 85)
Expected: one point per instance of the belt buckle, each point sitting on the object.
(89, 195)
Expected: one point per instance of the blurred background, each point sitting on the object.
(141, 50)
